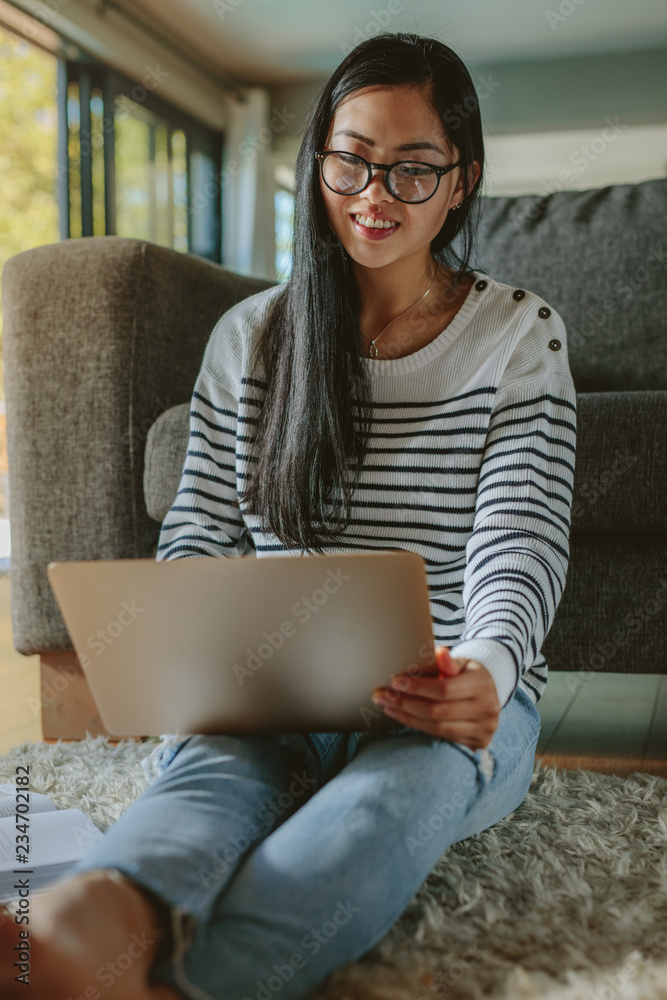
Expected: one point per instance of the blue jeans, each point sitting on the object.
(281, 863)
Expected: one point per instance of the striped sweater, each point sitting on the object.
(470, 464)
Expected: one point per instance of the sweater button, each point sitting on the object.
(544, 312)
(480, 286)
(554, 345)
(519, 294)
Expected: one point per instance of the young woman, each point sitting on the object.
(388, 396)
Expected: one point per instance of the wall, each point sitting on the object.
(545, 95)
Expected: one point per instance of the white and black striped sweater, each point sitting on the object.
(470, 464)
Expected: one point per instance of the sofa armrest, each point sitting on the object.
(101, 335)
(164, 459)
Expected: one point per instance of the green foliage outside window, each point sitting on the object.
(28, 150)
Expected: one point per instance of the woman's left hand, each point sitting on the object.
(462, 707)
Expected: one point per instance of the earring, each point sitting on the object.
(454, 207)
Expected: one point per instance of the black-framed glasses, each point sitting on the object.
(411, 181)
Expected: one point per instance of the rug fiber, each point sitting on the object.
(565, 899)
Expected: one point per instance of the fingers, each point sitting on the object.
(474, 682)
(412, 707)
(465, 710)
(449, 665)
(476, 736)
(463, 707)
(465, 720)
(440, 688)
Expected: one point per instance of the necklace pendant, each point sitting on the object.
(373, 351)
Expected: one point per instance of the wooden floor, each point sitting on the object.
(616, 723)
(20, 710)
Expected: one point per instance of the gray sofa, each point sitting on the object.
(103, 340)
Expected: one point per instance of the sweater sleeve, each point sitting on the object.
(205, 519)
(518, 552)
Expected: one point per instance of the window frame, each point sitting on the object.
(203, 143)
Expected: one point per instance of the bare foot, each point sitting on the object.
(87, 934)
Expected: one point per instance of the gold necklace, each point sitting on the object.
(373, 349)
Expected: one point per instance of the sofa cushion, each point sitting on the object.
(599, 258)
(620, 477)
(620, 474)
(613, 613)
(164, 458)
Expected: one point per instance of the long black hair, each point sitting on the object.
(312, 428)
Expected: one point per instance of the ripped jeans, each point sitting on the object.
(282, 858)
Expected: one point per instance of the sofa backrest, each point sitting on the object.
(599, 258)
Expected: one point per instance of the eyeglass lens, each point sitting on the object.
(348, 174)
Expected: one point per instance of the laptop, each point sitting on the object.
(246, 644)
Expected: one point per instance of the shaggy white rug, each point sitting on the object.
(565, 899)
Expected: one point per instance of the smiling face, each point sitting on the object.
(384, 119)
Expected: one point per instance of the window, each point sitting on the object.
(28, 191)
(284, 209)
(284, 220)
(130, 162)
(85, 151)
(151, 176)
